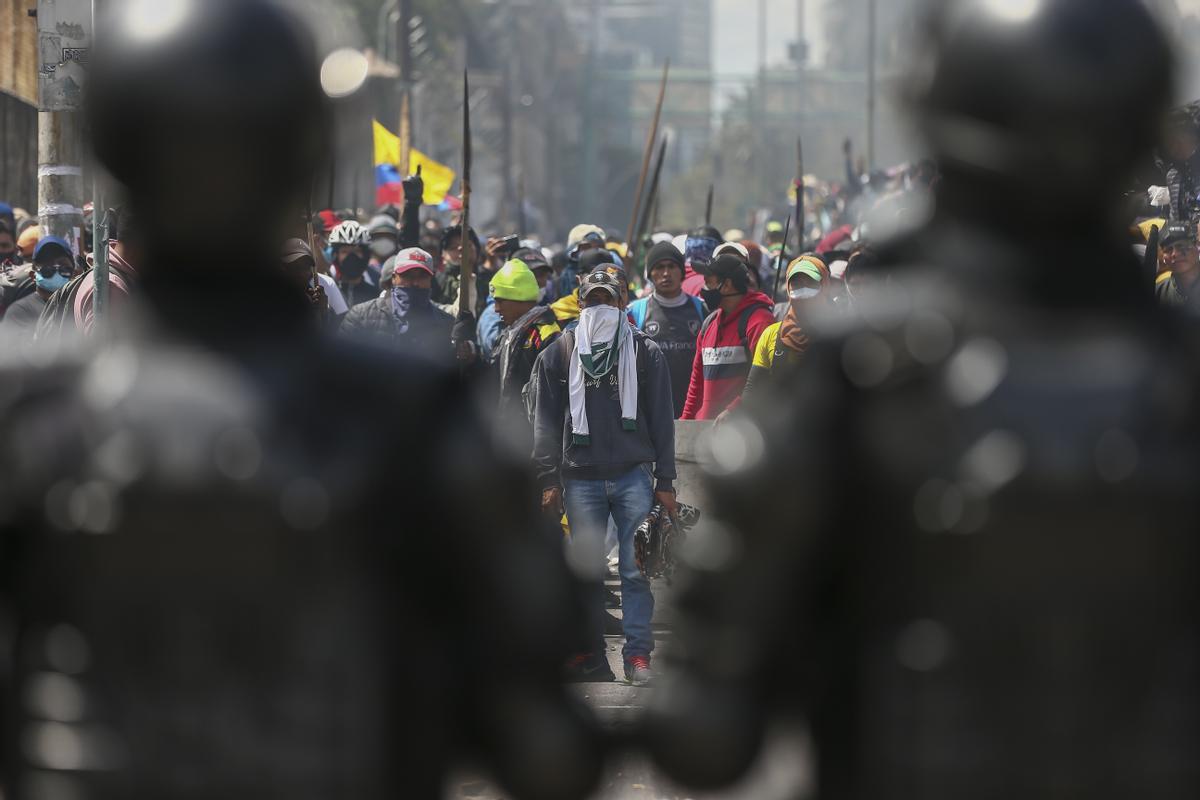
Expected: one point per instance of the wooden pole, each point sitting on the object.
(650, 139)
(467, 270)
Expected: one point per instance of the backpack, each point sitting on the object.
(638, 311)
(743, 325)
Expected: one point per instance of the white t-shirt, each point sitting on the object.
(337, 303)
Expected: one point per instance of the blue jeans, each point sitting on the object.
(628, 500)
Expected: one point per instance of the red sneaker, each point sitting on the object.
(637, 670)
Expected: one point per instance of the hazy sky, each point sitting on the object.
(735, 35)
(735, 31)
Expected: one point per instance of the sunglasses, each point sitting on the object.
(48, 270)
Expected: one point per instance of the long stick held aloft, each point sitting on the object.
(708, 206)
(312, 237)
(651, 204)
(799, 196)
(650, 140)
(467, 270)
(787, 224)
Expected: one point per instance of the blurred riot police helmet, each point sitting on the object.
(209, 111)
(1055, 98)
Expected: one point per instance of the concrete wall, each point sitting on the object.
(18, 50)
(18, 153)
(18, 98)
(690, 460)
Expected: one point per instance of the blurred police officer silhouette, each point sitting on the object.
(227, 580)
(976, 574)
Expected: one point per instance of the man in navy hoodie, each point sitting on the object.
(604, 444)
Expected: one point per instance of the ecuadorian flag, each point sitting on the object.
(438, 177)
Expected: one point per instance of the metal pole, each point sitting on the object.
(758, 167)
(60, 176)
(100, 228)
(872, 32)
(506, 123)
(404, 48)
(589, 136)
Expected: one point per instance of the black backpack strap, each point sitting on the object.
(744, 325)
(566, 347)
(641, 353)
(708, 322)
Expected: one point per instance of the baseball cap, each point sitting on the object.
(580, 233)
(732, 248)
(600, 280)
(294, 250)
(534, 259)
(413, 258)
(1175, 233)
(28, 240)
(809, 266)
(48, 242)
(727, 266)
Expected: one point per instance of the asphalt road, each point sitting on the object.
(783, 772)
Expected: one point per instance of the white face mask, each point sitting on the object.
(383, 248)
(807, 293)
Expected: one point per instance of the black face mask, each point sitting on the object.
(712, 298)
(352, 266)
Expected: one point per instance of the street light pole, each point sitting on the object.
(872, 32)
(761, 135)
(100, 229)
(404, 54)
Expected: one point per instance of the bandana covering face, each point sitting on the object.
(603, 341)
(406, 303)
(791, 335)
(699, 251)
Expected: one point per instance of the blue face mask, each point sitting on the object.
(51, 284)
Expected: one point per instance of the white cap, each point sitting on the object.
(732, 247)
(581, 232)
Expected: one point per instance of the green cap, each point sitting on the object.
(802, 266)
(515, 281)
(774, 227)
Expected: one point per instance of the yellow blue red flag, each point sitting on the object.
(439, 178)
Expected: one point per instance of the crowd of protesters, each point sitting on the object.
(591, 350)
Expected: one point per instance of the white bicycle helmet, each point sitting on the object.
(351, 233)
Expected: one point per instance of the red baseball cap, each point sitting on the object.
(413, 258)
